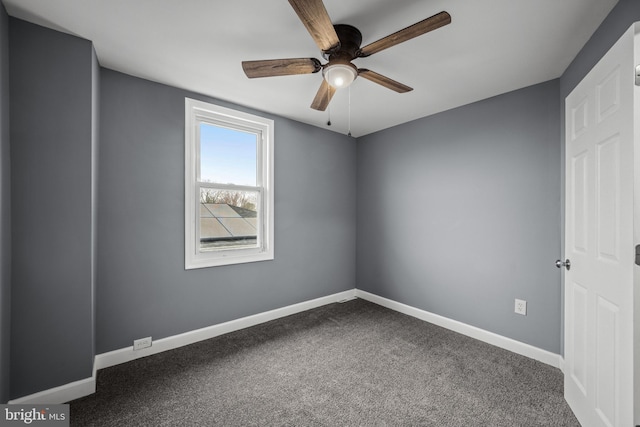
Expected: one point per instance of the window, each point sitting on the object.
(228, 186)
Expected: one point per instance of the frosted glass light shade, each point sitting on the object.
(340, 75)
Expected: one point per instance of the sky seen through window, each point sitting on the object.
(227, 156)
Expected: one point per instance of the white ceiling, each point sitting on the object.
(491, 47)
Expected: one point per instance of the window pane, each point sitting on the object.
(227, 156)
(228, 219)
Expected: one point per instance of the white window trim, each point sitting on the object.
(196, 112)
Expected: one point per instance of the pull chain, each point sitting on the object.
(329, 108)
(349, 134)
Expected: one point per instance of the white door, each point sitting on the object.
(599, 241)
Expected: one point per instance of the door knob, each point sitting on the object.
(566, 264)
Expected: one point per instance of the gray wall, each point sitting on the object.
(464, 185)
(51, 150)
(143, 288)
(459, 214)
(5, 210)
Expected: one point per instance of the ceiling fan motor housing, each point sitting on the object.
(339, 71)
(350, 39)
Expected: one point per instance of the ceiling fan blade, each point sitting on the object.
(315, 18)
(433, 23)
(280, 67)
(383, 81)
(323, 97)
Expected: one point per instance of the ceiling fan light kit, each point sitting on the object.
(340, 75)
(339, 44)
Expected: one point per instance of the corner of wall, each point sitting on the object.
(95, 150)
(5, 210)
(61, 277)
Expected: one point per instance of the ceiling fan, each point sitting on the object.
(340, 44)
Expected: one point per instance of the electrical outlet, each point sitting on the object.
(521, 307)
(142, 343)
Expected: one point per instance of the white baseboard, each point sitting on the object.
(127, 354)
(85, 387)
(61, 394)
(518, 347)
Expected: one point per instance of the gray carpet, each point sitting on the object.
(349, 364)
